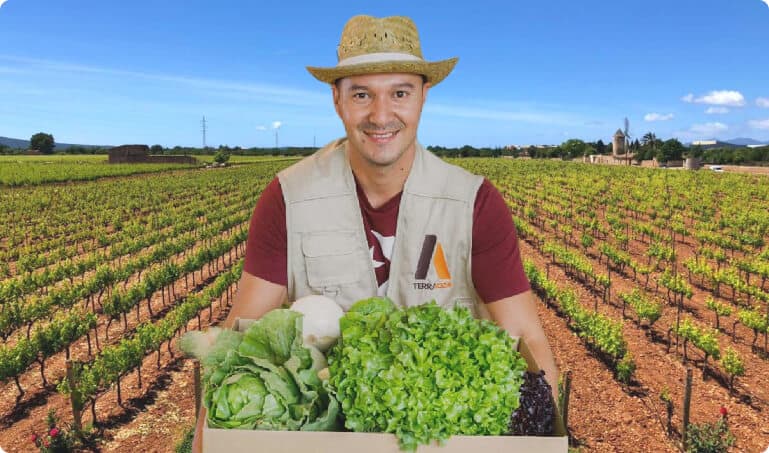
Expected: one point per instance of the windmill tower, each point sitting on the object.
(621, 144)
(618, 144)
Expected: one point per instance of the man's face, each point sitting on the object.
(380, 113)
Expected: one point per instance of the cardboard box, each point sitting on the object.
(248, 441)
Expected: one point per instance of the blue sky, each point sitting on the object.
(104, 72)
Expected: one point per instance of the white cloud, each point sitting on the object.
(759, 124)
(763, 102)
(658, 117)
(3, 1)
(724, 97)
(766, 1)
(277, 94)
(708, 128)
(261, 128)
(715, 110)
(276, 124)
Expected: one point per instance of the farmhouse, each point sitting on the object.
(135, 154)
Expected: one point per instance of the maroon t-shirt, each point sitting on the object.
(497, 269)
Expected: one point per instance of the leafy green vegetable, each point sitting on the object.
(424, 373)
(264, 378)
(210, 346)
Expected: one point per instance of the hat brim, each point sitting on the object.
(434, 71)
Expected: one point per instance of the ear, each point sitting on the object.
(425, 88)
(335, 95)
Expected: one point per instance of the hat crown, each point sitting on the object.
(366, 35)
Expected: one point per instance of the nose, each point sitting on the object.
(381, 111)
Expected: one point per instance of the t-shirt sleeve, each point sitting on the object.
(266, 249)
(497, 268)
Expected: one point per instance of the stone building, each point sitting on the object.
(135, 154)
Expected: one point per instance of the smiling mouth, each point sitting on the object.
(381, 137)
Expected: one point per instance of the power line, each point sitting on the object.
(203, 127)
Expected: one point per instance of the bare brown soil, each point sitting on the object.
(162, 407)
(659, 368)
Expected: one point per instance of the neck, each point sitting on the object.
(380, 183)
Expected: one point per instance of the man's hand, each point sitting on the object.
(518, 316)
(254, 297)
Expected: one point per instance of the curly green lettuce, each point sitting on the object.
(424, 373)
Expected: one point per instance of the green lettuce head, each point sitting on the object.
(424, 373)
(265, 378)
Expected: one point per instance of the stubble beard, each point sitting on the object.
(390, 157)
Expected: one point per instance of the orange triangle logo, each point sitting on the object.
(439, 261)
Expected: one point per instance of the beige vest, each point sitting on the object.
(327, 249)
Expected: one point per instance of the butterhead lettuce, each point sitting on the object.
(265, 378)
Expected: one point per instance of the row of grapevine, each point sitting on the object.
(18, 312)
(111, 230)
(30, 282)
(564, 204)
(116, 361)
(46, 218)
(15, 360)
(599, 331)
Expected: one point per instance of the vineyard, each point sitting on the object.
(642, 276)
(29, 170)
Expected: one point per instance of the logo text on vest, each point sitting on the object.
(432, 252)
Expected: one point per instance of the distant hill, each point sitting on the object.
(744, 141)
(24, 144)
(713, 143)
(14, 142)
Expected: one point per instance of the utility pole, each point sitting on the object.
(203, 127)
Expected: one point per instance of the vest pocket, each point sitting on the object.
(332, 258)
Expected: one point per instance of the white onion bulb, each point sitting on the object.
(320, 325)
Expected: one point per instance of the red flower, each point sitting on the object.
(33, 438)
(54, 432)
(46, 443)
(723, 411)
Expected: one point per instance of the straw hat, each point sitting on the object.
(370, 45)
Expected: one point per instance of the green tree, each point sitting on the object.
(42, 142)
(671, 150)
(221, 157)
(156, 149)
(600, 147)
(77, 149)
(650, 139)
(694, 151)
(650, 144)
(573, 148)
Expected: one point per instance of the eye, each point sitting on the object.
(359, 96)
(401, 94)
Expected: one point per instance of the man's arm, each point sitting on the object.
(254, 297)
(518, 316)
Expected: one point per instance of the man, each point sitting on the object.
(375, 213)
